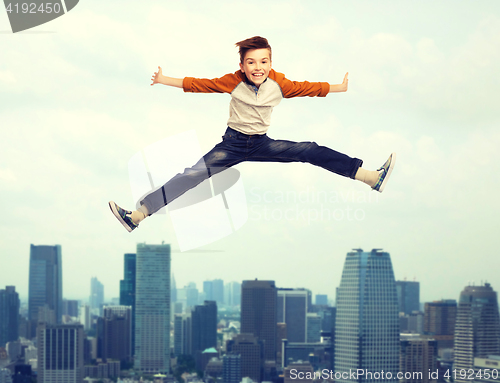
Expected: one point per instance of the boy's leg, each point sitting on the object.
(329, 159)
(288, 151)
(215, 161)
(227, 153)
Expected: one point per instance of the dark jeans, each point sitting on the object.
(237, 147)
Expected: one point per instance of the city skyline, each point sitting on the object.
(84, 298)
(423, 82)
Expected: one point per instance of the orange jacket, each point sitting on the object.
(250, 110)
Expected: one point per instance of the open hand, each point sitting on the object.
(344, 83)
(156, 76)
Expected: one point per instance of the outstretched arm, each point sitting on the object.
(340, 87)
(159, 78)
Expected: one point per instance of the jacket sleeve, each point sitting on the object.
(300, 88)
(225, 84)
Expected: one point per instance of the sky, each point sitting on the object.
(76, 105)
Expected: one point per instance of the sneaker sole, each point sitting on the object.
(112, 206)
(391, 166)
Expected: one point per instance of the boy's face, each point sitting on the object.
(256, 65)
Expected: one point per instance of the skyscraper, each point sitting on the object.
(418, 357)
(313, 325)
(408, 296)
(477, 331)
(70, 307)
(208, 289)
(252, 351)
(367, 322)
(114, 334)
(293, 306)
(321, 299)
(45, 281)
(232, 294)
(218, 291)
(96, 299)
(182, 334)
(439, 321)
(127, 288)
(173, 290)
(152, 312)
(9, 315)
(231, 368)
(258, 313)
(60, 353)
(204, 327)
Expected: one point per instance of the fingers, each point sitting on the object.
(154, 78)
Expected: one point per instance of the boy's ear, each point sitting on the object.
(241, 67)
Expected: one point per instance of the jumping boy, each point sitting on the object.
(255, 89)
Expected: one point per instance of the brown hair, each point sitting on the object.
(255, 42)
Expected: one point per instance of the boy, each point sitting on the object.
(255, 89)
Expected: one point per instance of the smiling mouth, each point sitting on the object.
(258, 75)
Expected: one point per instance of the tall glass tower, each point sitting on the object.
(258, 313)
(45, 280)
(9, 315)
(127, 289)
(477, 330)
(367, 323)
(152, 309)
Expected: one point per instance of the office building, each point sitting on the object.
(231, 368)
(299, 372)
(85, 317)
(114, 334)
(292, 308)
(408, 296)
(439, 321)
(152, 312)
(5, 376)
(486, 370)
(208, 289)
(127, 288)
(70, 308)
(173, 291)
(203, 327)
(321, 300)
(411, 323)
(96, 299)
(367, 321)
(313, 328)
(182, 334)
(477, 330)
(188, 295)
(60, 353)
(258, 313)
(319, 353)
(9, 315)
(218, 291)
(45, 281)
(418, 357)
(251, 350)
(232, 294)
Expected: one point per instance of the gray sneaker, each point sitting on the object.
(385, 172)
(124, 216)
